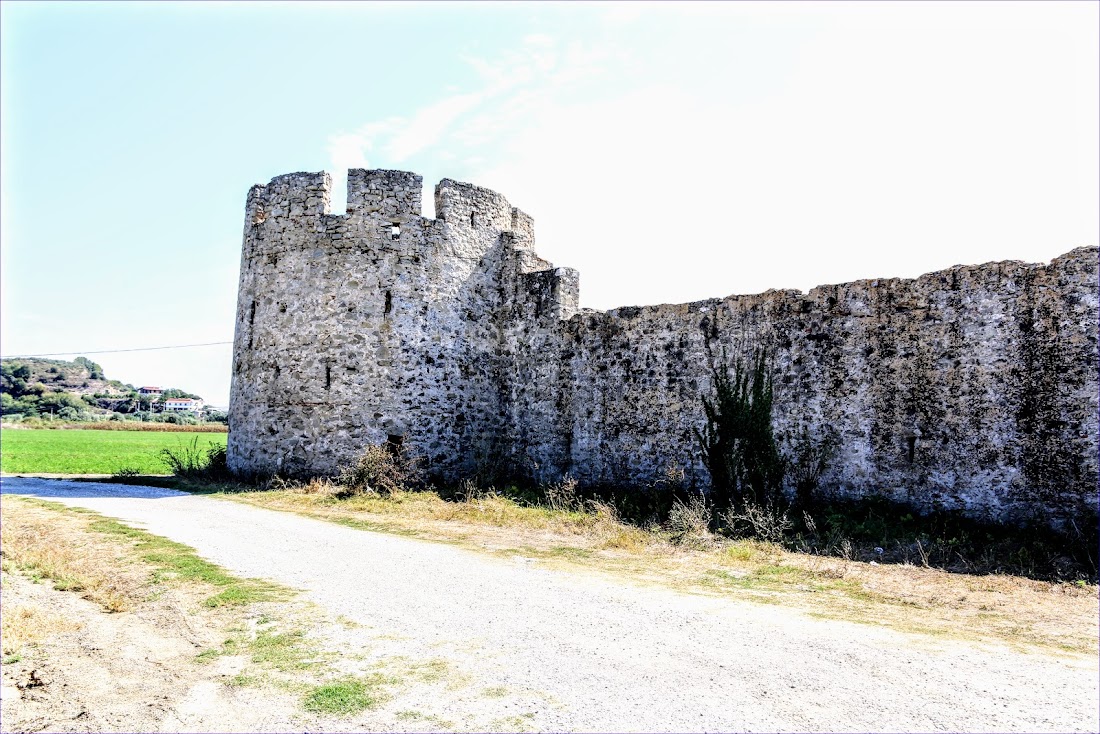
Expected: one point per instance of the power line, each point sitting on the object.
(115, 351)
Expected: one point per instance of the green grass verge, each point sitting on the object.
(174, 561)
(92, 452)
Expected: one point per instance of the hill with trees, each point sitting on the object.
(79, 391)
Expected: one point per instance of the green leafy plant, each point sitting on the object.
(190, 461)
(739, 447)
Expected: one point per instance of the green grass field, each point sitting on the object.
(93, 452)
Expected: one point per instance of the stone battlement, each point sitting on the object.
(974, 387)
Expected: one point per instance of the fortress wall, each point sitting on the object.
(973, 387)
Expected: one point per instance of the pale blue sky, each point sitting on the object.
(669, 152)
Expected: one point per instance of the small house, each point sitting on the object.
(182, 404)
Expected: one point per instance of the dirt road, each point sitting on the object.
(611, 656)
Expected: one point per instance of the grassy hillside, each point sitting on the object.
(80, 377)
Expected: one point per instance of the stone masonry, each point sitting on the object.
(974, 387)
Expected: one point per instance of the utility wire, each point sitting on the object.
(115, 351)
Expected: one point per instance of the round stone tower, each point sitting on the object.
(372, 326)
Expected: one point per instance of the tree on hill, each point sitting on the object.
(173, 392)
(13, 370)
(94, 370)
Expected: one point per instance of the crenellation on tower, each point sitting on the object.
(974, 387)
(523, 229)
(466, 206)
(390, 195)
(554, 293)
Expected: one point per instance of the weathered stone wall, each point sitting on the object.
(974, 387)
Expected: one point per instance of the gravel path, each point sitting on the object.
(618, 657)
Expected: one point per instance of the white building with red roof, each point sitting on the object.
(182, 404)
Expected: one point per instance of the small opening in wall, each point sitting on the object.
(252, 314)
(338, 194)
(389, 303)
(328, 376)
(395, 231)
(912, 447)
(473, 220)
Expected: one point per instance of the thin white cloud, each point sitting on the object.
(513, 88)
(348, 150)
(429, 124)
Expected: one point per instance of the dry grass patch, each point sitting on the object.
(427, 515)
(45, 544)
(110, 562)
(21, 625)
(995, 608)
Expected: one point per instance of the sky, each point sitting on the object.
(669, 152)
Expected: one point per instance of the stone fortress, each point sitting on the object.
(975, 387)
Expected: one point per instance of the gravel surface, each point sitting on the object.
(611, 656)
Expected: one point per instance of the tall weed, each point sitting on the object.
(689, 522)
(191, 461)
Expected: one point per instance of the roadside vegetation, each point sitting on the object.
(683, 553)
(762, 533)
(124, 569)
(88, 560)
(116, 567)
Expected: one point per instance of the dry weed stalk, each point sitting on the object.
(689, 523)
(382, 470)
(562, 496)
(765, 522)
